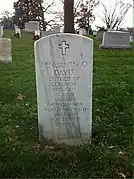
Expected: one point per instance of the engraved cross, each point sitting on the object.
(63, 46)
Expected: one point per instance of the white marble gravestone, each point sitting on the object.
(116, 39)
(111, 30)
(82, 31)
(5, 50)
(32, 26)
(1, 31)
(64, 88)
(18, 31)
(26, 26)
(131, 38)
(99, 35)
(56, 29)
(15, 27)
(94, 33)
(37, 32)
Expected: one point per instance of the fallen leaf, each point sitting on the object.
(49, 147)
(20, 97)
(120, 152)
(111, 147)
(121, 174)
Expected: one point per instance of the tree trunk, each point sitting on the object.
(69, 16)
(42, 21)
(27, 13)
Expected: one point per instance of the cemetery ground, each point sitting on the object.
(109, 155)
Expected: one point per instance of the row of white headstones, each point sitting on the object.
(18, 31)
(35, 26)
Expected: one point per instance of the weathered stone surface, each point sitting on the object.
(64, 88)
(5, 50)
(116, 39)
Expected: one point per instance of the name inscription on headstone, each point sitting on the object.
(64, 85)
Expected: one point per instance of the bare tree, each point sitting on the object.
(84, 14)
(6, 19)
(26, 10)
(113, 18)
(44, 7)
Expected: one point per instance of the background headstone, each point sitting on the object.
(37, 32)
(26, 27)
(36, 35)
(82, 31)
(5, 50)
(46, 33)
(99, 35)
(56, 29)
(111, 30)
(64, 88)
(32, 26)
(94, 33)
(116, 39)
(18, 32)
(1, 31)
(131, 38)
(16, 29)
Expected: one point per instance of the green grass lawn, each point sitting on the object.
(109, 156)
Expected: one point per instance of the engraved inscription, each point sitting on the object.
(63, 46)
(84, 64)
(63, 107)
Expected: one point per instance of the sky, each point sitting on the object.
(128, 21)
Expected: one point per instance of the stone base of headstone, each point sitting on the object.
(115, 46)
